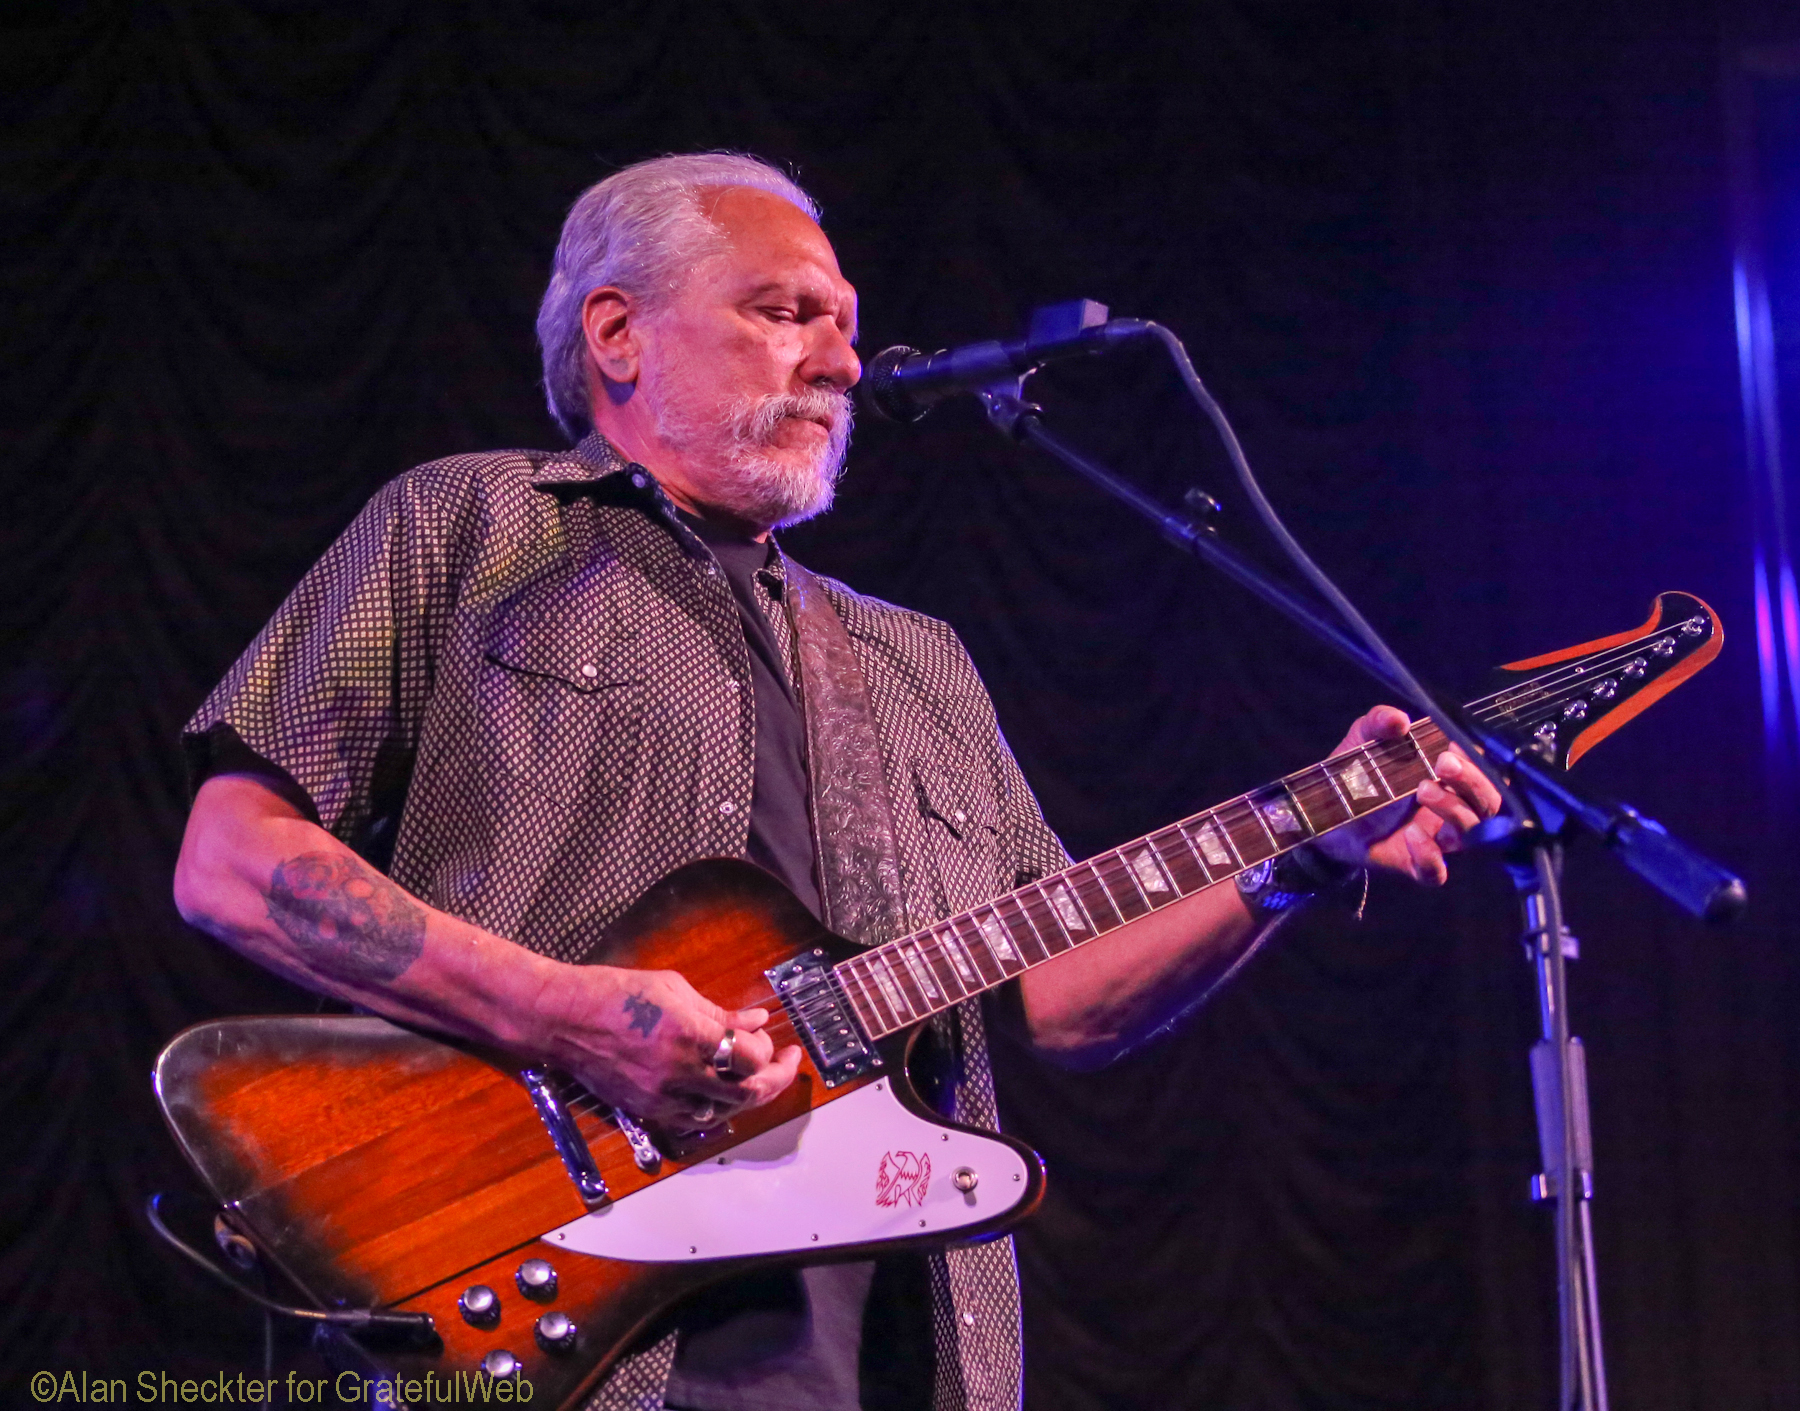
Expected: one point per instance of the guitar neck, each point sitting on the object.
(894, 986)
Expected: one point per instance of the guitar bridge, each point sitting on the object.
(823, 1018)
(566, 1137)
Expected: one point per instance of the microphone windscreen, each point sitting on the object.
(882, 391)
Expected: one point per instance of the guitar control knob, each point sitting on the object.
(536, 1279)
(554, 1332)
(479, 1305)
(500, 1364)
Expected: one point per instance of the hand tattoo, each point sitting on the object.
(350, 921)
(644, 1015)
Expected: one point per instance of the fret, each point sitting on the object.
(921, 974)
(860, 998)
(896, 1002)
(1424, 758)
(1278, 816)
(966, 973)
(1217, 846)
(1150, 873)
(977, 953)
(1174, 859)
(1091, 892)
(1300, 808)
(1137, 884)
(1324, 806)
(1135, 896)
(1111, 916)
(1019, 940)
(1200, 862)
(1002, 939)
(1331, 779)
(1243, 805)
(1070, 910)
(1380, 777)
(848, 970)
(1354, 772)
(932, 952)
(1049, 927)
(1023, 906)
(911, 993)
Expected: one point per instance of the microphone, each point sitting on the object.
(902, 384)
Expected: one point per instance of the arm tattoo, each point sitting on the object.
(644, 1015)
(347, 919)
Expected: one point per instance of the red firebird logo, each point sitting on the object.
(903, 1178)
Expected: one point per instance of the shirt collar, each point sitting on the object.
(595, 462)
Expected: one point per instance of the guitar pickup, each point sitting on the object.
(566, 1137)
(823, 1019)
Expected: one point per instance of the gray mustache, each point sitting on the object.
(759, 422)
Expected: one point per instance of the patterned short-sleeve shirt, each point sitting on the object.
(519, 683)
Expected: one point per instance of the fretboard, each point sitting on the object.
(898, 984)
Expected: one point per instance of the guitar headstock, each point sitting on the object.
(1563, 703)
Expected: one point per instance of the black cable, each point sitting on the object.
(1569, 1282)
(1421, 698)
(381, 1320)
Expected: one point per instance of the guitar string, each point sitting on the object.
(935, 954)
(1546, 694)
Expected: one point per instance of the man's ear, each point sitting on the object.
(610, 324)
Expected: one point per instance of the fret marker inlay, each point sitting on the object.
(953, 948)
(1280, 816)
(921, 973)
(1211, 848)
(1066, 910)
(995, 935)
(1149, 875)
(889, 991)
(1356, 779)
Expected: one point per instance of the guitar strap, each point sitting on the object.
(852, 817)
(974, 1290)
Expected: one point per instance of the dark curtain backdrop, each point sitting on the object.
(1459, 270)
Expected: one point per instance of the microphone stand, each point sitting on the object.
(1547, 810)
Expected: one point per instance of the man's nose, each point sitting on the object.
(831, 359)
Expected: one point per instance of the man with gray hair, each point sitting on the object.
(523, 686)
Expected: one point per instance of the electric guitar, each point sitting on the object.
(541, 1231)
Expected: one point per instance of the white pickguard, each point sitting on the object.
(812, 1183)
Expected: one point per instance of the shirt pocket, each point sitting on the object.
(962, 831)
(562, 704)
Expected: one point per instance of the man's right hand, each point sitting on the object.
(276, 887)
(644, 1041)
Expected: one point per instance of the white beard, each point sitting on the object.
(732, 446)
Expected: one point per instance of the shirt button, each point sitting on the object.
(590, 672)
(727, 807)
(969, 1319)
(638, 481)
(960, 816)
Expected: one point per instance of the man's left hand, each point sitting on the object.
(1412, 836)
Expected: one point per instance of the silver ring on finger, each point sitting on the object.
(724, 1053)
